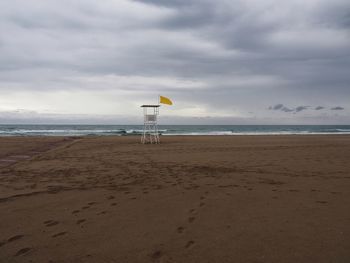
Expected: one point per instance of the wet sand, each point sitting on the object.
(190, 199)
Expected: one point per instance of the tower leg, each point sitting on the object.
(150, 134)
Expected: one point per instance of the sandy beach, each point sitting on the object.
(189, 199)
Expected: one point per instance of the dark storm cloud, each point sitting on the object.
(337, 108)
(213, 54)
(319, 108)
(301, 108)
(276, 107)
(281, 107)
(285, 109)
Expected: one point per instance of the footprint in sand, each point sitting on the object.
(293, 190)
(156, 255)
(80, 221)
(191, 219)
(102, 213)
(11, 239)
(110, 197)
(189, 244)
(85, 207)
(50, 223)
(322, 202)
(113, 204)
(14, 238)
(22, 251)
(180, 229)
(91, 203)
(59, 234)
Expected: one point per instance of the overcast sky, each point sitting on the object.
(221, 62)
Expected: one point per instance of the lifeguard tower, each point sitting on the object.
(150, 126)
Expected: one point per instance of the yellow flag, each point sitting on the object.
(165, 100)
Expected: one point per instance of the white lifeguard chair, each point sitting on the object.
(150, 132)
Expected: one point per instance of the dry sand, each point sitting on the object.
(190, 199)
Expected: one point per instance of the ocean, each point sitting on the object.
(125, 130)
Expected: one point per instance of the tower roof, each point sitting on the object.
(150, 106)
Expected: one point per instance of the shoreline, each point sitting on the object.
(172, 130)
(177, 135)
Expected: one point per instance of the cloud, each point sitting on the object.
(301, 108)
(276, 107)
(319, 108)
(286, 109)
(337, 108)
(281, 107)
